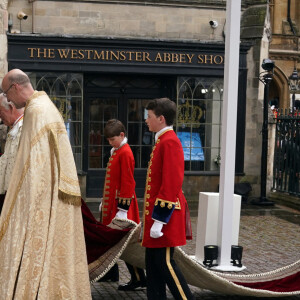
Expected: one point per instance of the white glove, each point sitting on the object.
(155, 231)
(121, 214)
(100, 206)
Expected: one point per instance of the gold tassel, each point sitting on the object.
(69, 199)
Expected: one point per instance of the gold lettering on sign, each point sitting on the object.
(81, 54)
(63, 53)
(146, 56)
(113, 55)
(74, 54)
(89, 53)
(125, 55)
(130, 55)
(41, 53)
(175, 57)
(122, 55)
(208, 58)
(218, 59)
(158, 57)
(31, 52)
(182, 58)
(138, 56)
(51, 53)
(211, 59)
(200, 59)
(190, 57)
(167, 57)
(98, 55)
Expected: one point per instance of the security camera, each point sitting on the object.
(213, 24)
(268, 64)
(21, 15)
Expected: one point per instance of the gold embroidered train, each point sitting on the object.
(285, 280)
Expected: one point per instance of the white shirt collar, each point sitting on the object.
(15, 128)
(162, 131)
(112, 150)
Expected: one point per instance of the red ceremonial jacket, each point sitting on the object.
(119, 186)
(164, 200)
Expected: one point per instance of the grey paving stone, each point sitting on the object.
(270, 238)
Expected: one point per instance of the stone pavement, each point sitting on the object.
(270, 237)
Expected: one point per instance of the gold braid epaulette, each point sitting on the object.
(69, 199)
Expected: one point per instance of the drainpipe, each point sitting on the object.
(289, 17)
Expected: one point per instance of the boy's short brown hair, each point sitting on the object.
(113, 128)
(163, 107)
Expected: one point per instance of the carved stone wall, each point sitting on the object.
(285, 44)
(119, 19)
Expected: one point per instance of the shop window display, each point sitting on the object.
(199, 110)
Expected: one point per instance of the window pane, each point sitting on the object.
(75, 110)
(106, 155)
(139, 137)
(199, 108)
(134, 133)
(66, 92)
(74, 133)
(100, 111)
(77, 152)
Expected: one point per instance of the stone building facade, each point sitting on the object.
(169, 48)
(284, 48)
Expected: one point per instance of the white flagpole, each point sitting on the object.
(228, 142)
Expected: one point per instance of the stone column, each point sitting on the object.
(256, 33)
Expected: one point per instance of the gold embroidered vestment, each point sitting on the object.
(42, 248)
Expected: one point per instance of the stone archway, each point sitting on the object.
(280, 88)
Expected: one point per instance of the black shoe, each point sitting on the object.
(132, 286)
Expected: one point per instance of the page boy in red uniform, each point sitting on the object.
(165, 207)
(119, 199)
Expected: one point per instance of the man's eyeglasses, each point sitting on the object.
(5, 92)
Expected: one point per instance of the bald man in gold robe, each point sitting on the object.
(42, 248)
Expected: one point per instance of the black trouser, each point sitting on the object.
(136, 274)
(2, 197)
(112, 274)
(161, 269)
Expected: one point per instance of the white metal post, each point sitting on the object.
(228, 140)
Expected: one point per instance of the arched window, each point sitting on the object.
(66, 92)
(199, 108)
